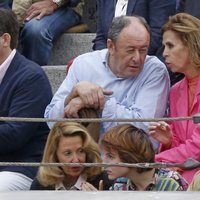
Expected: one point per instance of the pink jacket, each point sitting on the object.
(186, 138)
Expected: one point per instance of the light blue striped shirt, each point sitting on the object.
(142, 96)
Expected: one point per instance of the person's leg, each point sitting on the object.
(12, 181)
(5, 3)
(37, 36)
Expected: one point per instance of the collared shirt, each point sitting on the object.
(121, 7)
(163, 180)
(4, 66)
(141, 96)
(77, 185)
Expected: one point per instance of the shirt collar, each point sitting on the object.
(106, 64)
(105, 59)
(132, 186)
(4, 66)
(77, 186)
(150, 187)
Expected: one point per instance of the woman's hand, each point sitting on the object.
(89, 187)
(161, 131)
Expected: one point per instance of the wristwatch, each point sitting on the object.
(57, 2)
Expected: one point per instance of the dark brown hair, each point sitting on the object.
(131, 144)
(9, 24)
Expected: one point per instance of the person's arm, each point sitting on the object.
(56, 107)
(161, 131)
(43, 8)
(73, 107)
(186, 135)
(159, 12)
(84, 95)
(188, 149)
(29, 99)
(91, 95)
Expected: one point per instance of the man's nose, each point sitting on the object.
(136, 56)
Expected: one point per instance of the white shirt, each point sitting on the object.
(77, 186)
(4, 66)
(121, 7)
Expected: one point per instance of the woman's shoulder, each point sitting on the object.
(36, 185)
(180, 84)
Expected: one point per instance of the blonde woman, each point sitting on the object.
(69, 143)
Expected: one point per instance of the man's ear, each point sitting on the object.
(5, 40)
(110, 46)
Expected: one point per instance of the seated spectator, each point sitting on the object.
(24, 92)
(180, 140)
(69, 143)
(44, 22)
(5, 4)
(119, 82)
(128, 144)
(155, 12)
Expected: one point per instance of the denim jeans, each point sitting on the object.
(5, 3)
(37, 36)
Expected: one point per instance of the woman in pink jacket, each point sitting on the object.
(180, 140)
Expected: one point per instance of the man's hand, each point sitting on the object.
(92, 95)
(72, 108)
(40, 9)
(161, 131)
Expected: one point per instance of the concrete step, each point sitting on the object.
(70, 45)
(56, 74)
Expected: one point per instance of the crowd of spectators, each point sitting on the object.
(139, 49)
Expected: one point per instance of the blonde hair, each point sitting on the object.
(50, 176)
(131, 144)
(187, 27)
